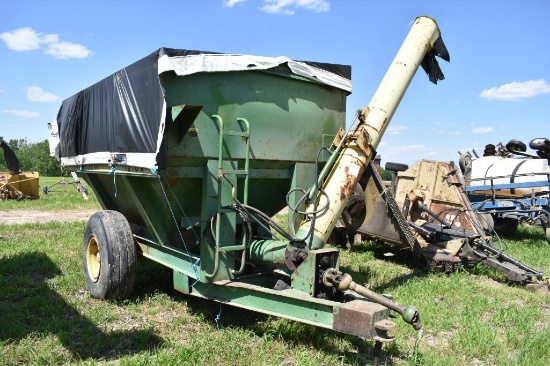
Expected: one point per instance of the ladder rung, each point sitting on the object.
(235, 171)
(236, 133)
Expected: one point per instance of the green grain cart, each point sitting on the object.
(191, 154)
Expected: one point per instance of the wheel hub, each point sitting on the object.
(93, 260)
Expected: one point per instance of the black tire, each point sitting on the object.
(505, 226)
(396, 167)
(109, 256)
(516, 145)
(545, 223)
(539, 143)
(544, 152)
(487, 222)
(465, 163)
(339, 236)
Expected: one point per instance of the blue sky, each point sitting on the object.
(497, 84)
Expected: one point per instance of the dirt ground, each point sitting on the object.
(13, 217)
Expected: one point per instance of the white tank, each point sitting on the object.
(499, 170)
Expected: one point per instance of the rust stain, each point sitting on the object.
(347, 187)
(342, 194)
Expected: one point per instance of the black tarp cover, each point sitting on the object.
(125, 112)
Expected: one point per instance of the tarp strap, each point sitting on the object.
(194, 266)
(113, 170)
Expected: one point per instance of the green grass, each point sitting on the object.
(47, 315)
(469, 317)
(63, 196)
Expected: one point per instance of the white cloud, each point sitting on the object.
(481, 130)
(232, 3)
(22, 39)
(396, 129)
(37, 94)
(26, 39)
(517, 90)
(20, 113)
(288, 7)
(65, 50)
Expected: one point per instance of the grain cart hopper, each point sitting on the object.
(427, 210)
(190, 154)
(15, 184)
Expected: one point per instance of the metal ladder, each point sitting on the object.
(222, 175)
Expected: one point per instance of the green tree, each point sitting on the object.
(33, 157)
(385, 174)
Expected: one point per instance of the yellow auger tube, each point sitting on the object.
(360, 146)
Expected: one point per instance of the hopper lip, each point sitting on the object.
(196, 62)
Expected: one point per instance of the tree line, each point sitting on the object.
(33, 157)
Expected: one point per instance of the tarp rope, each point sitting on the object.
(194, 266)
(218, 318)
(113, 170)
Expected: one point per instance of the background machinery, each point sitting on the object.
(426, 209)
(509, 185)
(15, 184)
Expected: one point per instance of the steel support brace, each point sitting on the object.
(171, 258)
(358, 317)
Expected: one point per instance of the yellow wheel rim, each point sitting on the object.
(93, 260)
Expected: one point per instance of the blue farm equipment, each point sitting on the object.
(508, 185)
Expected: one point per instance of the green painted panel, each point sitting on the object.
(288, 116)
(288, 304)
